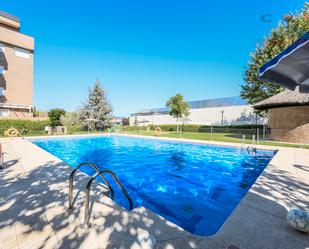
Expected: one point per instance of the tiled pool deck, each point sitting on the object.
(34, 213)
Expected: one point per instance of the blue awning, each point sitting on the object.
(290, 68)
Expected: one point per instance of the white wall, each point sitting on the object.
(232, 115)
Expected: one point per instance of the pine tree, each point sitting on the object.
(96, 111)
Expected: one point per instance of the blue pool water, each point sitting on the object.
(195, 186)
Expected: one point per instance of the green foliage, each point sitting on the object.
(125, 121)
(204, 128)
(135, 128)
(35, 113)
(70, 118)
(289, 30)
(97, 111)
(178, 107)
(72, 129)
(42, 114)
(25, 127)
(54, 116)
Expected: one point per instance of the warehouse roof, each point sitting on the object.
(207, 103)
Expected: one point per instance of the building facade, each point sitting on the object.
(16, 69)
(220, 111)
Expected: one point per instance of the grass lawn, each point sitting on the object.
(220, 137)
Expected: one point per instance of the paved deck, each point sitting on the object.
(34, 214)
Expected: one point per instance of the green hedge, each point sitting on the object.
(206, 128)
(133, 128)
(199, 128)
(25, 127)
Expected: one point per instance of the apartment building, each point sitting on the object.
(16, 69)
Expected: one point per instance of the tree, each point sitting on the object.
(125, 121)
(70, 118)
(54, 116)
(34, 112)
(290, 29)
(96, 111)
(178, 108)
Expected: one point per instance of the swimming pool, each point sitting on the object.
(195, 186)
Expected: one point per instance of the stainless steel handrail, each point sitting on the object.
(107, 171)
(99, 174)
(86, 218)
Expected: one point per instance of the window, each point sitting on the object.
(1, 70)
(2, 47)
(22, 53)
(4, 113)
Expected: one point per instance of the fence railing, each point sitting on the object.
(259, 135)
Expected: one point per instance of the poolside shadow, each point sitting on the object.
(259, 221)
(37, 207)
(35, 203)
(10, 163)
(302, 167)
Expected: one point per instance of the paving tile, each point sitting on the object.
(269, 231)
(34, 214)
(8, 237)
(209, 243)
(157, 225)
(29, 238)
(265, 204)
(182, 243)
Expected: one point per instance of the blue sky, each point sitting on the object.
(143, 52)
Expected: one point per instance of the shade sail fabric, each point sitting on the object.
(290, 68)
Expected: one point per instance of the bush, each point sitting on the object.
(70, 119)
(25, 127)
(76, 129)
(134, 128)
(54, 116)
(125, 122)
(207, 128)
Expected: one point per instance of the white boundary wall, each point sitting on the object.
(232, 115)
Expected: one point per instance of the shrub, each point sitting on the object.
(134, 128)
(70, 119)
(207, 128)
(54, 116)
(125, 121)
(25, 127)
(76, 129)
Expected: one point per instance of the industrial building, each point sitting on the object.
(219, 111)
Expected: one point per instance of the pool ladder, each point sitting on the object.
(99, 173)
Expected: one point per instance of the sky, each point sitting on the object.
(143, 52)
